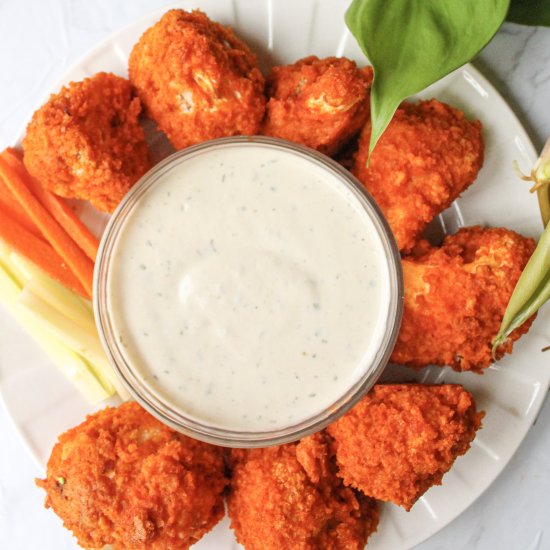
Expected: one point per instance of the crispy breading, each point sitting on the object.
(125, 479)
(427, 156)
(456, 296)
(321, 103)
(401, 439)
(86, 141)
(197, 80)
(289, 498)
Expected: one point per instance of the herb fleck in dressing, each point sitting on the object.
(249, 288)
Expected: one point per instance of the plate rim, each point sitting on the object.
(149, 19)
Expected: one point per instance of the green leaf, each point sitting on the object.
(413, 43)
(541, 177)
(533, 287)
(529, 12)
(531, 292)
(543, 195)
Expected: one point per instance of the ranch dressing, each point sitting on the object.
(249, 287)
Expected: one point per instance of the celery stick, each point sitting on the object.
(63, 300)
(26, 268)
(9, 285)
(58, 296)
(5, 250)
(80, 340)
(74, 367)
(102, 365)
(13, 271)
(83, 362)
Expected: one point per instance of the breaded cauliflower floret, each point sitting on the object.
(456, 296)
(321, 103)
(427, 156)
(401, 439)
(86, 141)
(197, 80)
(289, 498)
(122, 478)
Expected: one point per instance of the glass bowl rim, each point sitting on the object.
(170, 415)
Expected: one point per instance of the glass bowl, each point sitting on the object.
(168, 411)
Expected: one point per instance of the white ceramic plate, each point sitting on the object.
(43, 405)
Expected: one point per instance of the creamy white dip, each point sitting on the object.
(249, 287)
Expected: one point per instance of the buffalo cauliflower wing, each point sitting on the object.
(428, 155)
(456, 296)
(86, 141)
(124, 479)
(321, 103)
(196, 79)
(289, 498)
(401, 439)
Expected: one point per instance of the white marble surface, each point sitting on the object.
(39, 39)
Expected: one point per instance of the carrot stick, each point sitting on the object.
(10, 204)
(37, 251)
(71, 253)
(14, 152)
(56, 206)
